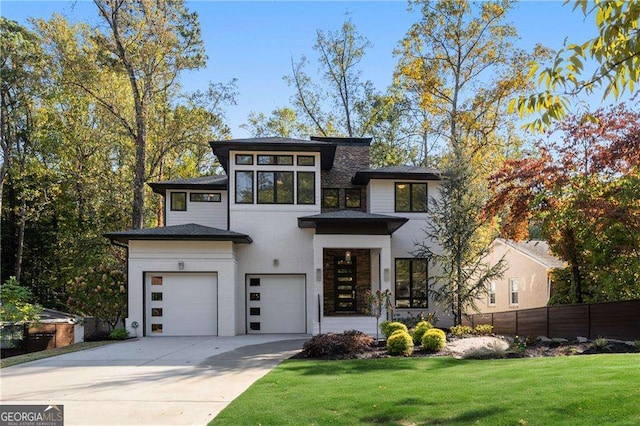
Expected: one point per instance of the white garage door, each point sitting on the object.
(181, 304)
(276, 304)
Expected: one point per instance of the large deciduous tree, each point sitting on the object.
(460, 64)
(582, 188)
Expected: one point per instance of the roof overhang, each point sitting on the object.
(357, 224)
(189, 232)
(162, 187)
(363, 177)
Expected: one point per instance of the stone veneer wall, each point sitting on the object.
(363, 279)
(348, 160)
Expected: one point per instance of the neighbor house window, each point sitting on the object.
(306, 187)
(492, 293)
(352, 198)
(275, 187)
(411, 283)
(330, 198)
(411, 197)
(178, 201)
(244, 187)
(306, 160)
(275, 160)
(244, 159)
(513, 290)
(205, 198)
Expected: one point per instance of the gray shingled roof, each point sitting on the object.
(352, 218)
(538, 250)
(362, 177)
(219, 182)
(190, 231)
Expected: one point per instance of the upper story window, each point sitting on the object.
(244, 159)
(492, 293)
(200, 197)
(411, 197)
(306, 160)
(244, 187)
(411, 283)
(330, 198)
(306, 187)
(275, 160)
(179, 201)
(513, 291)
(275, 187)
(353, 198)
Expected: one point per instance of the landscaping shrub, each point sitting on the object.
(119, 334)
(461, 330)
(493, 350)
(483, 329)
(337, 345)
(392, 327)
(421, 328)
(434, 340)
(383, 327)
(400, 343)
(600, 344)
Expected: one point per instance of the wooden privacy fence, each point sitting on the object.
(614, 320)
(22, 339)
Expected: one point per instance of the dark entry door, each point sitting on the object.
(345, 284)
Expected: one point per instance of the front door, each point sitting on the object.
(345, 284)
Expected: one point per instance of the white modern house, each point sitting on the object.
(287, 241)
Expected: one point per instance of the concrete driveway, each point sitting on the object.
(152, 381)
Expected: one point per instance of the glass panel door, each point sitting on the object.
(345, 284)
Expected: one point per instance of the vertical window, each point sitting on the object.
(411, 197)
(243, 159)
(352, 198)
(244, 187)
(330, 198)
(411, 283)
(492, 293)
(178, 201)
(275, 187)
(306, 187)
(306, 160)
(513, 290)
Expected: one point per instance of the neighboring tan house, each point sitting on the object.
(526, 283)
(287, 241)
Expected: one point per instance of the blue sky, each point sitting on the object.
(255, 41)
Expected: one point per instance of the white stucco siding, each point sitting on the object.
(212, 214)
(195, 256)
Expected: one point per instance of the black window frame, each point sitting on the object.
(252, 187)
(214, 197)
(324, 204)
(412, 299)
(411, 203)
(313, 188)
(346, 198)
(172, 204)
(276, 160)
(248, 156)
(306, 157)
(275, 186)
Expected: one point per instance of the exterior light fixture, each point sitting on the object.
(181, 265)
(347, 256)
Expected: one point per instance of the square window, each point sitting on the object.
(275, 187)
(156, 296)
(179, 201)
(199, 197)
(244, 159)
(156, 328)
(411, 197)
(254, 325)
(352, 198)
(266, 160)
(330, 198)
(306, 160)
(156, 312)
(156, 280)
(284, 160)
(254, 296)
(254, 282)
(254, 311)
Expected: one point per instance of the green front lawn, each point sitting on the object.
(575, 390)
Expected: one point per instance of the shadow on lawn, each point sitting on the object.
(395, 416)
(310, 367)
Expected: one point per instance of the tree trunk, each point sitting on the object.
(160, 214)
(21, 228)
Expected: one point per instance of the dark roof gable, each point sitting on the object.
(190, 231)
(216, 182)
(363, 177)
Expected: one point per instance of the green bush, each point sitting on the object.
(483, 329)
(461, 330)
(400, 343)
(119, 334)
(390, 327)
(421, 328)
(337, 345)
(434, 340)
